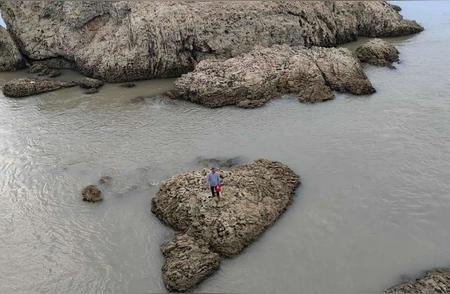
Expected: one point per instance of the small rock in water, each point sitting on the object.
(91, 91)
(54, 73)
(138, 99)
(38, 68)
(91, 194)
(105, 180)
(171, 94)
(43, 70)
(89, 83)
(128, 85)
(378, 52)
(26, 87)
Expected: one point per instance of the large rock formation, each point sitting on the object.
(437, 281)
(10, 57)
(26, 87)
(129, 40)
(251, 79)
(253, 197)
(378, 52)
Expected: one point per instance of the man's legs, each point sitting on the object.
(213, 191)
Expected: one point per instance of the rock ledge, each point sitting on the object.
(252, 79)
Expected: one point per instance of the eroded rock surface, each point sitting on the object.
(129, 40)
(378, 52)
(10, 57)
(188, 262)
(251, 79)
(253, 197)
(23, 87)
(437, 281)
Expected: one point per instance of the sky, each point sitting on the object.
(2, 23)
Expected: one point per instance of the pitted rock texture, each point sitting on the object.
(10, 57)
(121, 41)
(378, 52)
(251, 79)
(23, 87)
(91, 193)
(188, 262)
(437, 281)
(253, 197)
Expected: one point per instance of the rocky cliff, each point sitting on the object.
(129, 40)
(10, 57)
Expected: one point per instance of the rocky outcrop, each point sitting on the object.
(253, 197)
(251, 79)
(10, 57)
(188, 262)
(91, 194)
(378, 52)
(18, 88)
(437, 281)
(129, 40)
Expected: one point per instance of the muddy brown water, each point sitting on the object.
(373, 208)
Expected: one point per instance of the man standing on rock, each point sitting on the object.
(214, 181)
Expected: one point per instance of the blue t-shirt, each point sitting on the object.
(213, 179)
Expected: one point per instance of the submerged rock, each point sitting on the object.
(188, 262)
(10, 57)
(378, 52)
(128, 85)
(26, 87)
(437, 281)
(253, 197)
(91, 91)
(89, 83)
(91, 194)
(121, 41)
(43, 70)
(251, 79)
(219, 162)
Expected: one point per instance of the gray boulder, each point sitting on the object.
(378, 52)
(18, 88)
(121, 41)
(253, 197)
(10, 57)
(250, 80)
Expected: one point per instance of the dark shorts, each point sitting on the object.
(213, 191)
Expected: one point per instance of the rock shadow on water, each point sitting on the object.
(219, 162)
